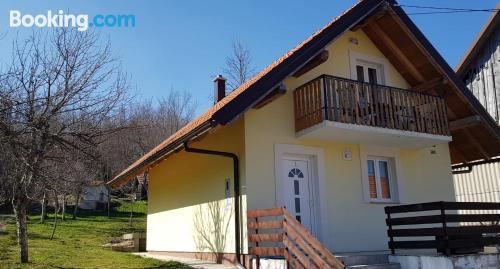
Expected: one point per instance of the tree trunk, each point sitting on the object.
(131, 211)
(63, 213)
(108, 206)
(43, 216)
(56, 210)
(22, 237)
(75, 210)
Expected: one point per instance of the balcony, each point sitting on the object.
(336, 108)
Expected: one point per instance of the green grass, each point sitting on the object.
(78, 243)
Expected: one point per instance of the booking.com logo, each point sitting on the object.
(60, 19)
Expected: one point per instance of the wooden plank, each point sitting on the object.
(341, 101)
(265, 224)
(413, 207)
(414, 220)
(303, 259)
(461, 230)
(266, 251)
(328, 98)
(278, 211)
(422, 244)
(447, 205)
(465, 122)
(398, 53)
(445, 116)
(310, 239)
(317, 60)
(473, 242)
(390, 106)
(438, 219)
(430, 114)
(416, 232)
(270, 97)
(277, 237)
(294, 263)
(296, 111)
(357, 113)
(439, 124)
(430, 84)
(471, 206)
(376, 119)
(315, 257)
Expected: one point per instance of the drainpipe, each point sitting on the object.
(236, 171)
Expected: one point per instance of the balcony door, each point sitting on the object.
(369, 72)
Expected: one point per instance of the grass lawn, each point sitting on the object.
(77, 243)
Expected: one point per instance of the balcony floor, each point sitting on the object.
(360, 134)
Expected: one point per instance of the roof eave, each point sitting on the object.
(202, 128)
(248, 98)
(450, 73)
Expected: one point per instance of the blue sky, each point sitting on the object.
(183, 44)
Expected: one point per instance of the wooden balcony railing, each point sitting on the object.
(349, 101)
(440, 226)
(274, 232)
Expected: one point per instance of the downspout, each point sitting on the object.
(236, 171)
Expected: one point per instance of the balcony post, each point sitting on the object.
(325, 97)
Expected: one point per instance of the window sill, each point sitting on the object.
(384, 202)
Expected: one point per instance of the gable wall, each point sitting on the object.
(482, 76)
(350, 223)
(186, 184)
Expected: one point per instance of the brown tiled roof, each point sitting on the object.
(207, 116)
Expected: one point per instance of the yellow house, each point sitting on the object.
(361, 115)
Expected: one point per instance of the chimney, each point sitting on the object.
(219, 88)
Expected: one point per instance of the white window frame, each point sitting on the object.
(392, 156)
(390, 167)
(382, 64)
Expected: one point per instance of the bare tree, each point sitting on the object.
(238, 68)
(55, 96)
(149, 124)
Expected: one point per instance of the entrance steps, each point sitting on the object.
(375, 261)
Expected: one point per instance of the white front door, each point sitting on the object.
(297, 190)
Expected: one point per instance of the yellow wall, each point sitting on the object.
(351, 223)
(184, 181)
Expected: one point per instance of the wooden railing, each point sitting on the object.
(274, 232)
(444, 229)
(349, 101)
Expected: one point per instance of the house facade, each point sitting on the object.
(480, 70)
(353, 119)
(94, 196)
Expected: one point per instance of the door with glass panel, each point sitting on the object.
(298, 190)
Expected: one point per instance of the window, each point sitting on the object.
(369, 72)
(368, 68)
(380, 173)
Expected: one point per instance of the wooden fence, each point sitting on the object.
(438, 226)
(274, 232)
(349, 101)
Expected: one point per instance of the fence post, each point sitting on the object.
(257, 258)
(446, 239)
(391, 238)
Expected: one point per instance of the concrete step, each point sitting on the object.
(364, 259)
(375, 266)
